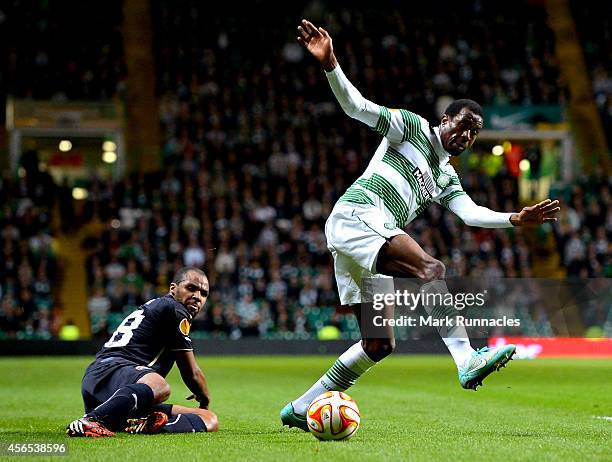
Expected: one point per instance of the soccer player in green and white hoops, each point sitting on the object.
(409, 170)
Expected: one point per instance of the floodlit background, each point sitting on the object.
(143, 136)
(140, 136)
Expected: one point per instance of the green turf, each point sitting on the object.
(412, 408)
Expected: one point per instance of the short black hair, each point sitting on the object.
(181, 273)
(455, 107)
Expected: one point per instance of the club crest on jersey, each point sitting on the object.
(184, 326)
(443, 180)
(425, 183)
(390, 226)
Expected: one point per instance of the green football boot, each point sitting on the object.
(291, 419)
(482, 363)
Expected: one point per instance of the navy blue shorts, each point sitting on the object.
(104, 377)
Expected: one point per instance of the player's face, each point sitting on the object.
(459, 132)
(191, 292)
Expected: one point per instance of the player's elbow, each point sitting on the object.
(469, 220)
(351, 110)
(195, 380)
(197, 376)
(472, 216)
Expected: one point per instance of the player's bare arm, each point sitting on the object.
(193, 377)
(543, 212)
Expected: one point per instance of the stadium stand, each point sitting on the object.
(251, 205)
(44, 59)
(29, 273)
(256, 153)
(594, 26)
(584, 229)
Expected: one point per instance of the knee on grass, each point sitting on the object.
(209, 418)
(211, 421)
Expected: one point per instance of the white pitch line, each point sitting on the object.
(603, 417)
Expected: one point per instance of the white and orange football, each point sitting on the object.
(334, 415)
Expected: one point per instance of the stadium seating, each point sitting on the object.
(593, 26)
(256, 153)
(44, 59)
(584, 229)
(29, 271)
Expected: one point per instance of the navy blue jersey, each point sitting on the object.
(150, 335)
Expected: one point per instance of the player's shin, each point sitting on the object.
(342, 375)
(455, 338)
(129, 399)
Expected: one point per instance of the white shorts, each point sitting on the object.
(355, 234)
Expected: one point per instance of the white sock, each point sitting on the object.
(459, 344)
(342, 375)
(460, 349)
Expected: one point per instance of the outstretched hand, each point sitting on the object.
(537, 214)
(318, 42)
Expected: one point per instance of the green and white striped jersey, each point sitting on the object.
(406, 174)
(410, 168)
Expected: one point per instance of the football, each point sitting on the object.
(334, 415)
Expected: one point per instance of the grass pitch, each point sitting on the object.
(412, 408)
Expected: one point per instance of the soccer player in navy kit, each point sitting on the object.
(124, 388)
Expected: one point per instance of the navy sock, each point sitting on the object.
(126, 400)
(184, 423)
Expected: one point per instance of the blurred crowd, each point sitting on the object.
(260, 237)
(584, 229)
(256, 152)
(28, 256)
(594, 27)
(405, 55)
(255, 157)
(584, 241)
(61, 50)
